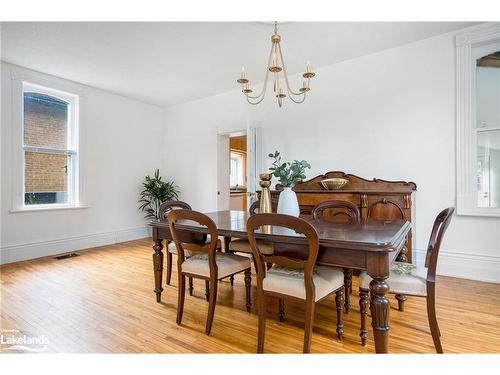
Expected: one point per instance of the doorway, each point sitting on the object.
(238, 173)
(236, 170)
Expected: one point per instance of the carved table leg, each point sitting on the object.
(379, 308)
(347, 288)
(248, 287)
(364, 302)
(158, 268)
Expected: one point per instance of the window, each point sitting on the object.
(488, 131)
(237, 164)
(478, 121)
(50, 152)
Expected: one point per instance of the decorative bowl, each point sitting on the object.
(333, 183)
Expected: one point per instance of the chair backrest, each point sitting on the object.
(168, 206)
(190, 243)
(254, 207)
(337, 211)
(438, 229)
(289, 222)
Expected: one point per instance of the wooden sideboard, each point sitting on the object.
(376, 199)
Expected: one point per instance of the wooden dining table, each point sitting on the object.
(370, 245)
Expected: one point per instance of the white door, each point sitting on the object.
(223, 173)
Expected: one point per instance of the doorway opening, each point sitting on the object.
(236, 169)
(238, 173)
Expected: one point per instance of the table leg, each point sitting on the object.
(379, 308)
(158, 267)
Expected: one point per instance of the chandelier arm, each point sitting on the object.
(290, 91)
(298, 101)
(263, 92)
(257, 102)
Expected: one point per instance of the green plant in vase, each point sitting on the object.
(155, 192)
(288, 175)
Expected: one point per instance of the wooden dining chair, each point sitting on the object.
(338, 211)
(420, 281)
(164, 210)
(205, 263)
(199, 238)
(293, 277)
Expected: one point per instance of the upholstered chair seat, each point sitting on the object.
(243, 246)
(411, 282)
(172, 249)
(227, 264)
(290, 281)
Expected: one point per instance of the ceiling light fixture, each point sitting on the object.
(276, 66)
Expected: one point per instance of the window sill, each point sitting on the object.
(478, 214)
(47, 208)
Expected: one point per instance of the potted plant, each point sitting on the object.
(288, 174)
(156, 191)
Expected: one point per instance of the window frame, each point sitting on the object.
(22, 83)
(470, 45)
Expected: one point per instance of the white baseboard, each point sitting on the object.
(16, 253)
(465, 266)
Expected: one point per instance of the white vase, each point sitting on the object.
(288, 203)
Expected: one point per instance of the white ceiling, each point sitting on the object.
(171, 62)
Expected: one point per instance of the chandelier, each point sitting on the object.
(276, 66)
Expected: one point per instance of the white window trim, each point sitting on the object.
(470, 45)
(69, 93)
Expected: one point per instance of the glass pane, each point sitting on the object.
(46, 178)
(488, 92)
(236, 169)
(45, 121)
(488, 168)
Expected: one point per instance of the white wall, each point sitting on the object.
(389, 115)
(121, 142)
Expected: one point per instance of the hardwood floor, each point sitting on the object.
(103, 302)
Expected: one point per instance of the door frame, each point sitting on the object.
(239, 131)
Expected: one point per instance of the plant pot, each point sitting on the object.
(288, 203)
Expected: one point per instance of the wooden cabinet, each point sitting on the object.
(377, 199)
